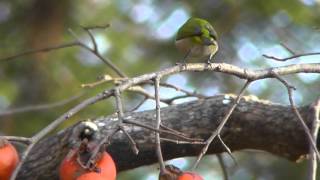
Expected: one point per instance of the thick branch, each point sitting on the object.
(254, 124)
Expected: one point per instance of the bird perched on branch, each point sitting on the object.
(197, 39)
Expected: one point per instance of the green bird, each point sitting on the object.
(197, 39)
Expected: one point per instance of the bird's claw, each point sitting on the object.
(182, 64)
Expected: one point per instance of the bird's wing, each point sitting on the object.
(212, 32)
(188, 30)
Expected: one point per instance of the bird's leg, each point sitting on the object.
(183, 62)
(211, 58)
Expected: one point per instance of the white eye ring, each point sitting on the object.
(91, 125)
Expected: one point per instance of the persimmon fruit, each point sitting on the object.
(189, 176)
(9, 159)
(91, 176)
(70, 169)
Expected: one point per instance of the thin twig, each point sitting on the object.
(95, 46)
(221, 125)
(146, 94)
(131, 140)
(70, 44)
(182, 142)
(23, 140)
(288, 48)
(291, 57)
(297, 113)
(139, 104)
(158, 122)
(223, 166)
(312, 169)
(110, 64)
(46, 49)
(101, 80)
(105, 140)
(172, 130)
(161, 131)
(227, 149)
(40, 106)
(96, 27)
(193, 94)
(22, 160)
(168, 101)
(105, 60)
(119, 107)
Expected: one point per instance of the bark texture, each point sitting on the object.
(255, 124)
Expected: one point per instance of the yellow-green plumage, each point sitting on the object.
(197, 39)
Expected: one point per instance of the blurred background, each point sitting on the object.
(141, 40)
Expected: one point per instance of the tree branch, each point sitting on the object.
(250, 75)
(254, 124)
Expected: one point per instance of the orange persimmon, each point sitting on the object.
(91, 176)
(189, 176)
(9, 159)
(70, 168)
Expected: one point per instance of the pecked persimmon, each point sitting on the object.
(9, 159)
(70, 169)
(189, 176)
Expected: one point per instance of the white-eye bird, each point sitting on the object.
(197, 39)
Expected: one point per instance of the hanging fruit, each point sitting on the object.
(9, 159)
(189, 176)
(91, 176)
(75, 164)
